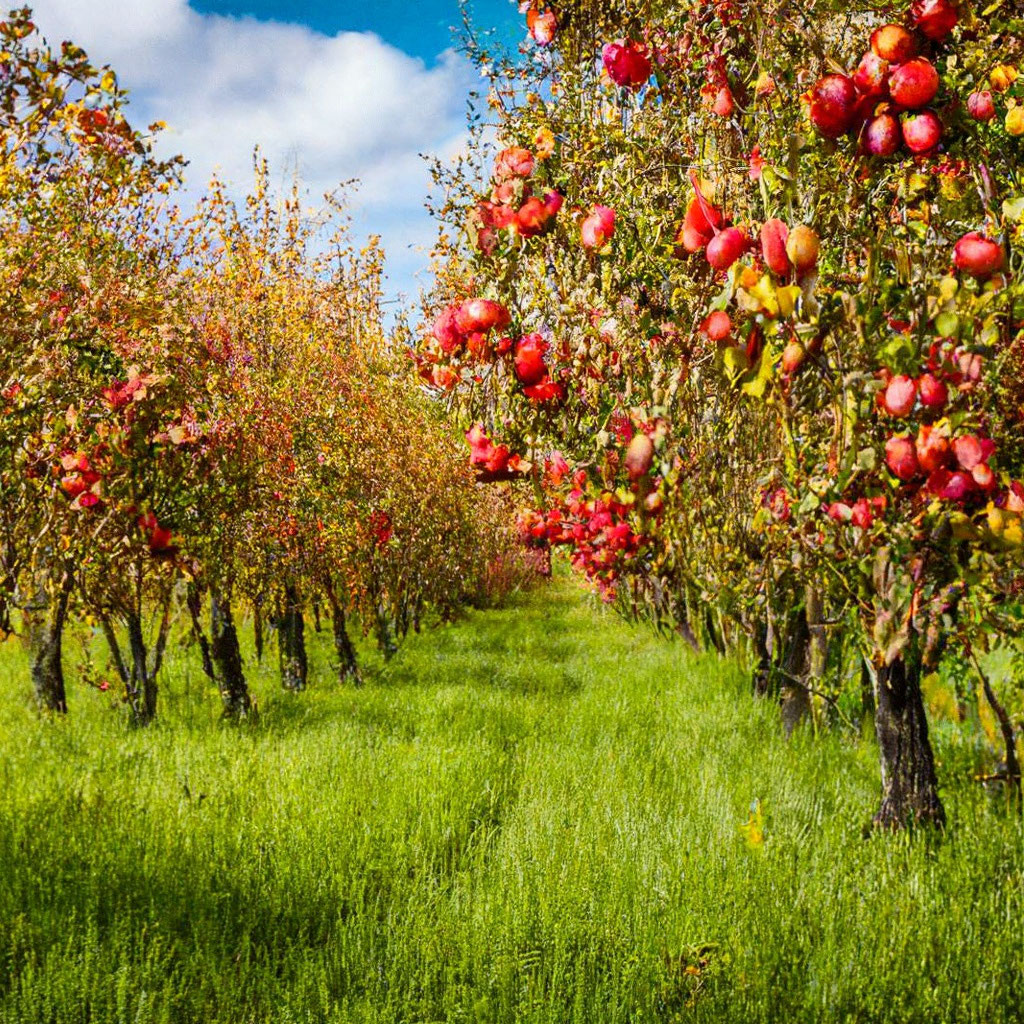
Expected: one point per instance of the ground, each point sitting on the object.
(538, 814)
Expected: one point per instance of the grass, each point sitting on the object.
(534, 815)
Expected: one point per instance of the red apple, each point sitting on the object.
(774, 234)
(922, 132)
(598, 227)
(481, 315)
(872, 75)
(901, 457)
(933, 449)
(726, 248)
(882, 136)
(893, 43)
(933, 18)
(529, 360)
(900, 395)
(980, 106)
(968, 451)
(914, 84)
(934, 393)
(978, 256)
(717, 326)
(793, 356)
(834, 105)
(627, 63)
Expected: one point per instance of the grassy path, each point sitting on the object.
(531, 816)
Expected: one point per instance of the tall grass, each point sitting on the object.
(534, 815)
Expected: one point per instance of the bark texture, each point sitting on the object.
(291, 640)
(226, 654)
(46, 633)
(910, 792)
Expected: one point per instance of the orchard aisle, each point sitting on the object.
(538, 814)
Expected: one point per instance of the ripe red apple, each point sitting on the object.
(978, 256)
(542, 26)
(934, 393)
(834, 105)
(697, 229)
(529, 360)
(933, 18)
(952, 486)
(914, 84)
(793, 356)
(984, 477)
(922, 132)
(872, 75)
(980, 106)
(597, 227)
(882, 136)
(446, 331)
(968, 451)
(933, 449)
(893, 43)
(481, 315)
(900, 395)
(901, 457)
(774, 234)
(726, 248)
(639, 456)
(627, 63)
(717, 326)
(802, 248)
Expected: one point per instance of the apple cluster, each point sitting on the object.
(886, 100)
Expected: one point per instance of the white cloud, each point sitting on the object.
(347, 106)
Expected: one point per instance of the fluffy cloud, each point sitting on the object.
(333, 108)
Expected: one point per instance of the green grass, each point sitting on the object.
(531, 816)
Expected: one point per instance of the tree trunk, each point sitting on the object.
(348, 669)
(910, 791)
(194, 601)
(796, 670)
(142, 689)
(46, 640)
(227, 657)
(291, 641)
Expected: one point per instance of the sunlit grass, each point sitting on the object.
(534, 815)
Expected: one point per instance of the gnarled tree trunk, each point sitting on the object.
(46, 633)
(910, 792)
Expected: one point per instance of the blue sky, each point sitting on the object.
(331, 90)
(419, 27)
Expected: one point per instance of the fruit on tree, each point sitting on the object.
(893, 43)
(980, 105)
(481, 315)
(802, 248)
(542, 26)
(872, 75)
(883, 135)
(934, 393)
(915, 84)
(597, 227)
(933, 449)
(726, 248)
(934, 18)
(639, 456)
(834, 101)
(900, 395)
(977, 255)
(717, 326)
(922, 132)
(774, 234)
(529, 360)
(901, 457)
(627, 63)
(793, 356)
